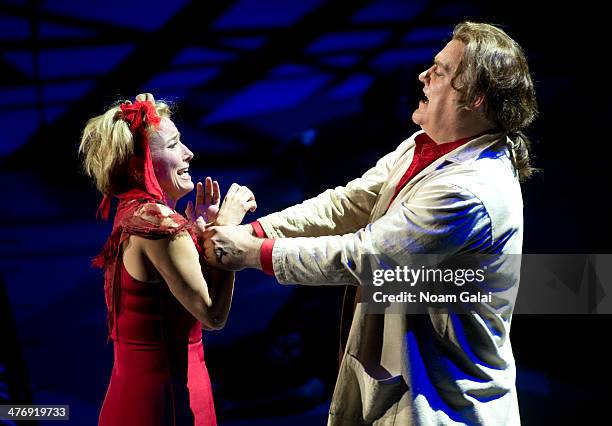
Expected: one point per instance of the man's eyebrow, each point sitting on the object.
(444, 66)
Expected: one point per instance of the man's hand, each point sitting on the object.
(232, 248)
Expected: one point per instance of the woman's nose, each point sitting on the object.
(188, 154)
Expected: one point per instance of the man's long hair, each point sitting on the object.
(495, 66)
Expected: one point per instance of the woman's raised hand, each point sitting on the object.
(208, 198)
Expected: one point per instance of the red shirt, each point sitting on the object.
(426, 151)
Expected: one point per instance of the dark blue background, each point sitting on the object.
(288, 98)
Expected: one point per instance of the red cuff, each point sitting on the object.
(265, 256)
(259, 231)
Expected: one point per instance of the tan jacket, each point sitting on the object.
(435, 369)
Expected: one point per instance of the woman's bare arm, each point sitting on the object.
(177, 261)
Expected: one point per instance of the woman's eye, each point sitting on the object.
(173, 145)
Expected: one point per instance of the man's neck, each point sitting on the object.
(459, 133)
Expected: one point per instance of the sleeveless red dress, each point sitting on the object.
(159, 376)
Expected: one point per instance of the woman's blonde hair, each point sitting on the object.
(107, 144)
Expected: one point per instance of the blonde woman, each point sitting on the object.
(159, 293)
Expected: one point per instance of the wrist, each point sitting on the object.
(227, 220)
(220, 222)
(249, 229)
(253, 259)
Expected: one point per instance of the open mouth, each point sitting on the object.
(183, 172)
(424, 99)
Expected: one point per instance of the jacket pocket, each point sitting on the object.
(377, 399)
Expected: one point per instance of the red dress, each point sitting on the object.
(159, 376)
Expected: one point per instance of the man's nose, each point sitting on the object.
(424, 76)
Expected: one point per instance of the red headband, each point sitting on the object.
(138, 115)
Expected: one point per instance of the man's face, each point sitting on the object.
(438, 113)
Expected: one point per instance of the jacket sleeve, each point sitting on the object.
(441, 219)
(336, 211)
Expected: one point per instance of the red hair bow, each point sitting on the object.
(138, 113)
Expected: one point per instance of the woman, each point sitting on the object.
(158, 291)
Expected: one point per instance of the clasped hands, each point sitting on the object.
(227, 244)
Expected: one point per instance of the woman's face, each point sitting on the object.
(171, 160)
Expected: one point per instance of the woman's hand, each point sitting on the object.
(238, 201)
(208, 197)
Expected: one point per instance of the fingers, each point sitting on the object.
(250, 205)
(231, 192)
(216, 193)
(200, 225)
(199, 195)
(189, 212)
(238, 200)
(240, 192)
(234, 188)
(243, 196)
(244, 191)
(248, 198)
(208, 233)
(200, 228)
(208, 193)
(209, 252)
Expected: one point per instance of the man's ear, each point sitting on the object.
(476, 104)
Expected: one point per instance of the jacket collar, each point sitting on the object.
(472, 150)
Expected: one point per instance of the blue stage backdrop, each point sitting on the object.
(288, 98)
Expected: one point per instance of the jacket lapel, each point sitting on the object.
(462, 155)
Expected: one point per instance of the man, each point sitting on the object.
(451, 188)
